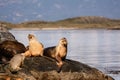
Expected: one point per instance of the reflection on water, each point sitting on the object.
(97, 48)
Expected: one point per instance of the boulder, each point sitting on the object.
(45, 68)
(5, 35)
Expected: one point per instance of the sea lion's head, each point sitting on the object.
(63, 41)
(31, 36)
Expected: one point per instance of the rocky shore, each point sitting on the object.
(44, 68)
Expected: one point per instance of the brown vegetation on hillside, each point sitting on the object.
(87, 22)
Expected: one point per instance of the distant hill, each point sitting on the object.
(6, 24)
(86, 22)
(87, 19)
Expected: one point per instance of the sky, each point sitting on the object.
(17, 11)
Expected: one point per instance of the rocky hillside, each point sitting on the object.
(77, 22)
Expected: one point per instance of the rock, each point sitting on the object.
(114, 72)
(44, 68)
(5, 35)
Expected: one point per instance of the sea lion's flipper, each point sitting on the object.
(59, 61)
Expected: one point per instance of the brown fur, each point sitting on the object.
(58, 52)
(35, 48)
(9, 48)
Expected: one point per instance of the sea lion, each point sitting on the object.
(35, 48)
(9, 48)
(16, 62)
(58, 52)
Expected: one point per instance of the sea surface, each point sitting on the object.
(97, 48)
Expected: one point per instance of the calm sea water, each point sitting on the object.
(97, 48)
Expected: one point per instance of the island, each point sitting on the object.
(84, 22)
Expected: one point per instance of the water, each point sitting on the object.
(97, 48)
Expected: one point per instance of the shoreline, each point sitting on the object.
(44, 28)
(64, 28)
